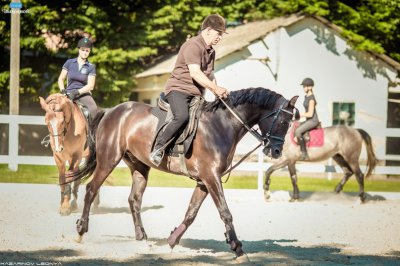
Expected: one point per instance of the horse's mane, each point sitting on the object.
(261, 97)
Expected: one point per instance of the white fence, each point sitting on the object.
(13, 159)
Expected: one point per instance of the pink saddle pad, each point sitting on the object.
(316, 136)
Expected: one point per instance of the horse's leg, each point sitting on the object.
(140, 174)
(217, 193)
(74, 204)
(74, 165)
(198, 196)
(360, 179)
(277, 165)
(346, 170)
(65, 208)
(293, 177)
(103, 169)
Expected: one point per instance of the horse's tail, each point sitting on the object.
(372, 160)
(87, 169)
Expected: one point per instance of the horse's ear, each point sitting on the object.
(296, 114)
(43, 104)
(292, 101)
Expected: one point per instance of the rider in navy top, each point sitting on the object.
(81, 77)
(310, 114)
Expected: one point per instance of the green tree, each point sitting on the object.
(130, 35)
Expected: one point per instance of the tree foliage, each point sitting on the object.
(130, 35)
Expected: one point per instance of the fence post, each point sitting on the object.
(260, 169)
(13, 134)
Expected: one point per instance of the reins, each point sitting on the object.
(264, 140)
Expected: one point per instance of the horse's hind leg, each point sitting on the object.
(346, 170)
(277, 165)
(140, 174)
(360, 179)
(293, 177)
(198, 196)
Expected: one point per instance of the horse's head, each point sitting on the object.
(57, 119)
(275, 124)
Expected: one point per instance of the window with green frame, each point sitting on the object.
(343, 113)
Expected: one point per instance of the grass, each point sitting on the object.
(121, 177)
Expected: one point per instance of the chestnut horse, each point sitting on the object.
(342, 143)
(127, 131)
(68, 130)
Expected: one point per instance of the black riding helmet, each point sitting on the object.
(307, 82)
(85, 42)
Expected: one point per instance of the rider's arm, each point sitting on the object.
(89, 86)
(203, 80)
(61, 79)
(311, 108)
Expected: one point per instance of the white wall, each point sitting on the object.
(309, 49)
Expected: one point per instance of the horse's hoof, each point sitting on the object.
(242, 259)
(140, 234)
(361, 200)
(64, 211)
(74, 206)
(294, 200)
(78, 239)
(81, 226)
(267, 195)
(176, 235)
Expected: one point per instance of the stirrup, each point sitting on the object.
(156, 156)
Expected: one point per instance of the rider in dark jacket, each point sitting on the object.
(310, 115)
(81, 77)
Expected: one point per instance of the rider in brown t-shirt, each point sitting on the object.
(193, 72)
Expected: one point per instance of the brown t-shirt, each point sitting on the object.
(193, 51)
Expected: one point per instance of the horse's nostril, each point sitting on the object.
(277, 151)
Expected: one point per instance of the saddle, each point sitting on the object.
(88, 118)
(313, 138)
(181, 144)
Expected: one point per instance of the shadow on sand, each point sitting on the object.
(333, 196)
(263, 252)
(106, 210)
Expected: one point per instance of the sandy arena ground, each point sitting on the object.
(323, 229)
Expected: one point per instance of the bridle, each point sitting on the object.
(276, 114)
(263, 139)
(66, 124)
(62, 134)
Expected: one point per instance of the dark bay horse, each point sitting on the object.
(342, 143)
(68, 130)
(126, 132)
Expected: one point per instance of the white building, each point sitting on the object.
(358, 88)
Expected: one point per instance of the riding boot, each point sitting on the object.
(303, 147)
(156, 156)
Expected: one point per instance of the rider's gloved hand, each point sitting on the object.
(72, 95)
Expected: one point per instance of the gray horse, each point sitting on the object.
(342, 143)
